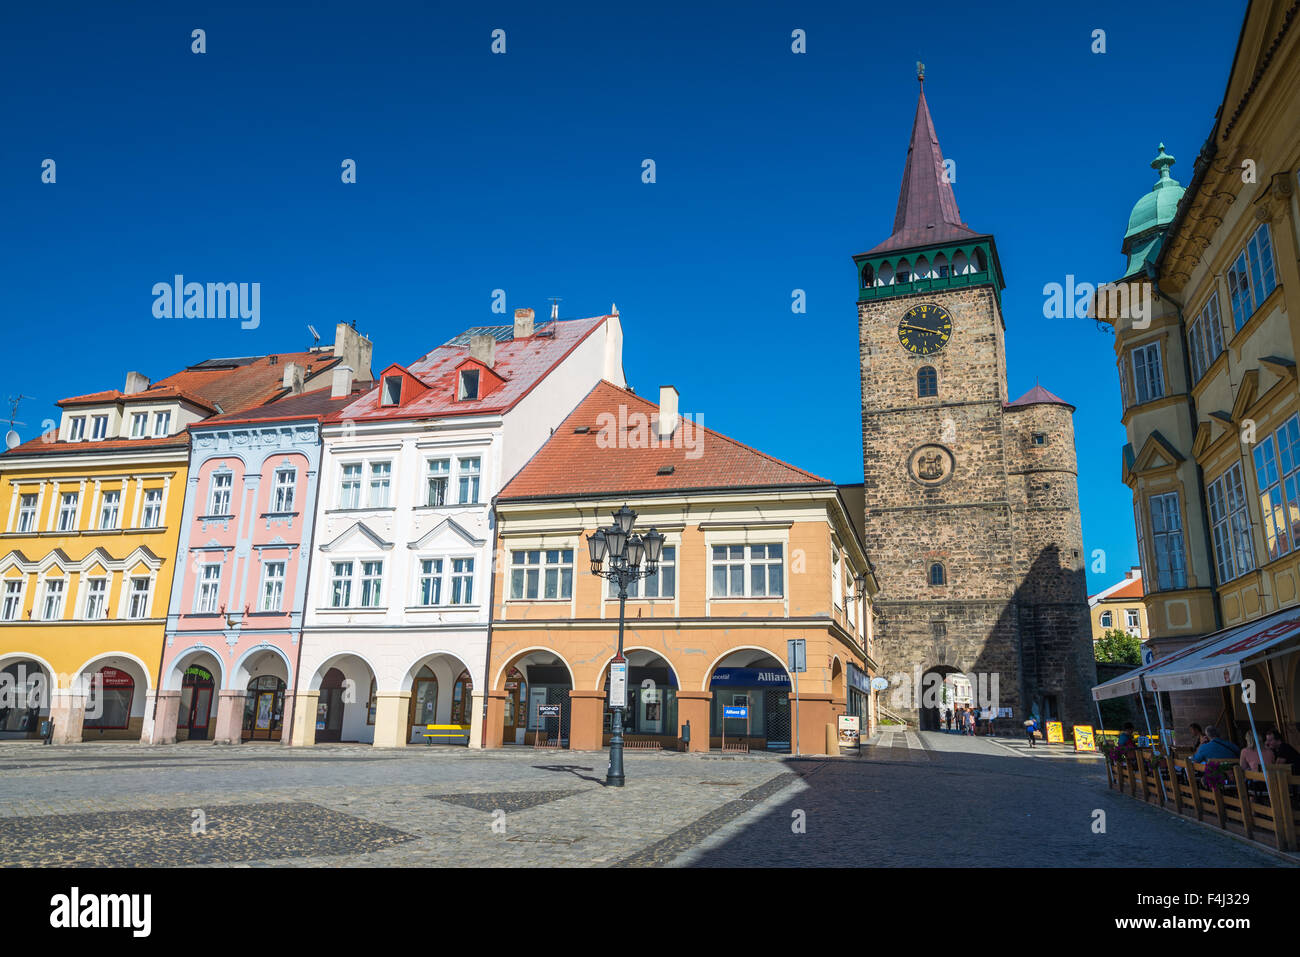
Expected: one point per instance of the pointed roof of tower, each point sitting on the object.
(927, 207)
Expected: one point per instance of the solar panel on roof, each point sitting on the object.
(500, 333)
(231, 363)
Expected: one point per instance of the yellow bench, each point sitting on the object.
(432, 731)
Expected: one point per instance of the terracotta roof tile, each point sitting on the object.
(617, 453)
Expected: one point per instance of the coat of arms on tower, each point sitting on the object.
(931, 464)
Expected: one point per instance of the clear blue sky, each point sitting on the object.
(523, 172)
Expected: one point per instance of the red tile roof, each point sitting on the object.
(927, 207)
(1038, 396)
(317, 404)
(522, 363)
(575, 463)
(1133, 589)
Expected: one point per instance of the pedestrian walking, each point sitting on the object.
(1031, 728)
(970, 721)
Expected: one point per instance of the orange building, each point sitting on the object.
(756, 552)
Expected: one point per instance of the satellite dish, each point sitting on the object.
(13, 439)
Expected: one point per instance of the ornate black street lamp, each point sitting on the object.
(626, 553)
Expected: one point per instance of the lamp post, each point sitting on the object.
(631, 558)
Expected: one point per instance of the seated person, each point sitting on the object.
(1215, 748)
(1253, 758)
(1198, 735)
(1126, 737)
(1283, 752)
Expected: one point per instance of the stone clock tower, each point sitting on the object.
(972, 508)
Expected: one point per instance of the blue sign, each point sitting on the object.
(737, 712)
(750, 678)
(858, 679)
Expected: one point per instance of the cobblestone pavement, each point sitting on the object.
(908, 799)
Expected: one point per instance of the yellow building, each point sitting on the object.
(91, 513)
(756, 552)
(1208, 372)
(1120, 606)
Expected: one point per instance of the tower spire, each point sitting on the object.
(927, 207)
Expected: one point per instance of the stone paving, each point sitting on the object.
(909, 799)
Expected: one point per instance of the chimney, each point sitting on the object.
(354, 349)
(341, 384)
(293, 378)
(135, 383)
(483, 348)
(524, 323)
(667, 411)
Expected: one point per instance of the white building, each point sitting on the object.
(396, 625)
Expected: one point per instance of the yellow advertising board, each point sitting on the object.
(1083, 740)
(1055, 733)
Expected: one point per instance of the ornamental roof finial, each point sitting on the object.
(920, 72)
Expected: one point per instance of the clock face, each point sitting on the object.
(925, 329)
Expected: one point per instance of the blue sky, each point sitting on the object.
(523, 172)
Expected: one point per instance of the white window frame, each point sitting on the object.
(271, 591)
(1277, 480)
(1148, 374)
(162, 422)
(746, 562)
(370, 577)
(1205, 337)
(221, 491)
(1132, 618)
(460, 578)
(469, 478)
(99, 427)
(27, 511)
(282, 492)
(137, 607)
(345, 580)
(207, 591)
(1234, 551)
(437, 564)
(139, 425)
(436, 478)
(350, 485)
(152, 506)
(12, 607)
(530, 577)
(57, 595)
(1107, 619)
(95, 607)
(1170, 550)
(110, 498)
(68, 509)
(379, 483)
(77, 428)
(1252, 277)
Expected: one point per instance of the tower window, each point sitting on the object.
(868, 276)
(902, 272)
(1040, 438)
(938, 575)
(927, 382)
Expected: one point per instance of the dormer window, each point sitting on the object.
(76, 428)
(139, 422)
(99, 427)
(392, 394)
(161, 423)
(468, 384)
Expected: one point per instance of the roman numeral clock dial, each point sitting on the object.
(925, 329)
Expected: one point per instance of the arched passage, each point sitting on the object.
(944, 691)
(535, 683)
(348, 701)
(25, 688)
(197, 674)
(441, 688)
(756, 682)
(115, 689)
(264, 676)
(651, 715)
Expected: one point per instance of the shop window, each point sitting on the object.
(108, 703)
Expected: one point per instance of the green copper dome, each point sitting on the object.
(1152, 212)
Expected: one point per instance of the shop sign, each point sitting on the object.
(750, 678)
(735, 712)
(849, 727)
(113, 678)
(1055, 733)
(548, 711)
(1083, 738)
(858, 678)
(618, 683)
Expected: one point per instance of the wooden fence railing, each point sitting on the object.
(1224, 795)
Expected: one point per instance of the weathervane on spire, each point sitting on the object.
(920, 72)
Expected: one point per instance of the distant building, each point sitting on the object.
(1120, 606)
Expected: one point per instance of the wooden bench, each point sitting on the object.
(445, 732)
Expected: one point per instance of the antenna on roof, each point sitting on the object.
(12, 438)
(314, 334)
(555, 308)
